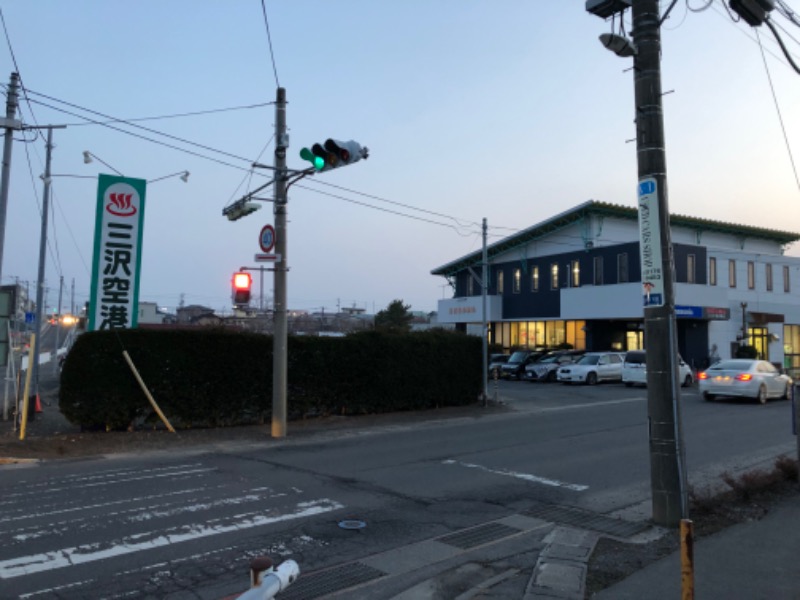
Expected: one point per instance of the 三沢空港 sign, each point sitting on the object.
(119, 221)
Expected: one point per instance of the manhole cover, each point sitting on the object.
(352, 524)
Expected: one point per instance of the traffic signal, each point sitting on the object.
(241, 288)
(333, 154)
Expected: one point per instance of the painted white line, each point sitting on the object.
(65, 557)
(525, 476)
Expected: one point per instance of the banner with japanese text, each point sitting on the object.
(119, 223)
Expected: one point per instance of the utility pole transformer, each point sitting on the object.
(279, 339)
(667, 457)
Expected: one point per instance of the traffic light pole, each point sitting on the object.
(667, 458)
(279, 340)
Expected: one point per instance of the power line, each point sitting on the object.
(269, 39)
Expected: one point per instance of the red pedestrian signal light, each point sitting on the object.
(241, 288)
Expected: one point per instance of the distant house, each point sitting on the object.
(187, 314)
(149, 314)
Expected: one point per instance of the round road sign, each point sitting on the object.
(267, 238)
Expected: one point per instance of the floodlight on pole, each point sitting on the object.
(184, 177)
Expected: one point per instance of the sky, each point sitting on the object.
(509, 110)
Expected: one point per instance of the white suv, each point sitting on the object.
(634, 369)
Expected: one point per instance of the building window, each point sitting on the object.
(554, 276)
(535, 279)
(768, 276)
(712, 271)
(786, 287)
(500, 282)
(751, 275)
(732, 273)
(470, 284)
(576, 273)
(690, 271)
(598, 270)
(622, 268)
(517, 284)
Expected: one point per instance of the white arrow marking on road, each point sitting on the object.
(526, 476)
(65, 557)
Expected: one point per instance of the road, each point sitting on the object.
(185, 526)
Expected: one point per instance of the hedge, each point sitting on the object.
(218, 377)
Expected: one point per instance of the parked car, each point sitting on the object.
(495, 362)
(515, 367)
(593, 367)
(634, 369)
(545, 369)
(744, 377)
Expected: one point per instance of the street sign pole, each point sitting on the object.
(280, 342)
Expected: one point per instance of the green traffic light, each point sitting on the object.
(315, 160)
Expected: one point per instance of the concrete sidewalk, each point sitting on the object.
(749, 561)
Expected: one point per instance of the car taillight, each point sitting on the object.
(702, 375)
(744, 377)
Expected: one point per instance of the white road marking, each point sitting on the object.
(65, 557)
(525, 476)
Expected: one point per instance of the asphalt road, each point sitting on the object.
(185, 526)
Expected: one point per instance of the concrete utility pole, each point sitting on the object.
(667, 458)
(11, 125)
(484, 293)
(42, 255)
(279, 347)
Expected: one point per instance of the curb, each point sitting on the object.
(560, 571)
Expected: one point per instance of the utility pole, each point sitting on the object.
(279, 346)
(667, 457)
(42, 253)
(11, 125)
(484, 293)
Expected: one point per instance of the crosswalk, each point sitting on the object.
(119, 532)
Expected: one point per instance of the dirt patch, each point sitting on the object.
(751, 497)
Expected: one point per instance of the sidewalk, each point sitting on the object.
(749, 561)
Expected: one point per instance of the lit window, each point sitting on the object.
(517, 280)
(576, 273)
(554, 276)
(690, 262)
(535, 279)
(500, 282)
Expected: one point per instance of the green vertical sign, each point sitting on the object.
(119, 224)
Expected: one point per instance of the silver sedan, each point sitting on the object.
(744, 377)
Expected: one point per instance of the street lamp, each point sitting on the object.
(87, 158)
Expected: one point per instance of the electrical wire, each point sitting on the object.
(147, 129)
(777, 106)
(175, 116)
(701, 9)
(269, 39)
(780, 43)
(386, 210)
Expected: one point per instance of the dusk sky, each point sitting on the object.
(505, 109)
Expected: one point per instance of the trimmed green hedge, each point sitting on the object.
(219, 377)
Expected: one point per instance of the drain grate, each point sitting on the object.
(476, 536)
(322, 583)
(586, 520)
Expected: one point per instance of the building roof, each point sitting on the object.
(594, 207)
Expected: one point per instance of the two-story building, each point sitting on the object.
(575, 278)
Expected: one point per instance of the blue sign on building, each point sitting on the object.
(30, 317)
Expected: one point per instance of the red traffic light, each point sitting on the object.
(241, 288)
(242, 281)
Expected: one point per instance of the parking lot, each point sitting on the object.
(524, 395)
